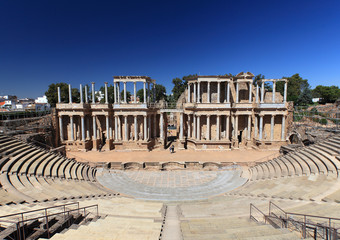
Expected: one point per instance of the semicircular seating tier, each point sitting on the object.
(32, 174)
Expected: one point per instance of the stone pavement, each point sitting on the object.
(176, 185)
(249, 155)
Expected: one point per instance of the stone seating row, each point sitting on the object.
(318, 158)
(29, 174)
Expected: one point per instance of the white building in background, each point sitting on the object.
(41, 104)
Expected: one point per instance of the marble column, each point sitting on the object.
(261, 128)
(154, 92)
(237, 92)
(134, 92)
(61, 132)
(144, 91)
(228, 92)
(273, 97)
(198, 128)
(118, 92)
(249, 126)
(161, 127)
(250, 91)
(195, 93)
(236, 127)
(69, 93)
(82, 128)
(81, 93)
(126, 137)
(72, 130)
(93, 92)
(257, 94)
(198, 92)
(86, 97)
(125, 100)
(148, 92)
(262, 92)
(218, 92)
(115, 92)
(188, 93)
(116, 128)
(119, 128)
(181, 127)
(59, 97)
(107, 127)
(272, 128)
(207, 135)
(87, 127)
(227, 127)
(106, 95)
(194, 127)
(149, 127)
(285, 92)
(218, 128)
(136, 127)
(189, 126)
(208, 92)
(145, 129)
(255, 127)
(94, 128)
(283, 128)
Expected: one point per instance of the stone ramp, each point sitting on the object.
(172, 185)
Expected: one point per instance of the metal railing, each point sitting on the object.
(317, 227)
(22, 220)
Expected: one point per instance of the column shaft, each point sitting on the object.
(93, 96)
(236, 127)
(227, 127)
(285, 93)
(261, 128)
(189, 126)
(72, 130)
(283, 128)
(198, 92)
(188, 93)
(81, 93)
(126, 138)
(218, 92)
(161, 126)
(59, 97)
(118, 92)
(94, 128)
(208, 92)
(154, 125)
(207, 136)
(86, 96)
(61, 132)
(115, 92)
(144, 91)
(106, 95)
(136, 128)
(198, 128)
(69, 93)
(145, 129)
(107, 127)
(82, 128)
(116, 128)
(149, 126)
(218, 129)
(194, 127)
(255, 127)
(249, 126)
(181, 127)
(119, 128)
(257, 94)
(272, 128)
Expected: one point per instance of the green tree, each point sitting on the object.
(160, 92)
(328, 94)
(296, 85)
(128, 96)
(52, 93)
(305, 98)
(179, 85)
(110, 93)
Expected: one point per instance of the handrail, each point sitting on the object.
(40, 209)
(21, 226)
(251, 215)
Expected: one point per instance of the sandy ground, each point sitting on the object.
(180, 156)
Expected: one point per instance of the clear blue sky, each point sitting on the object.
(43, 42)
